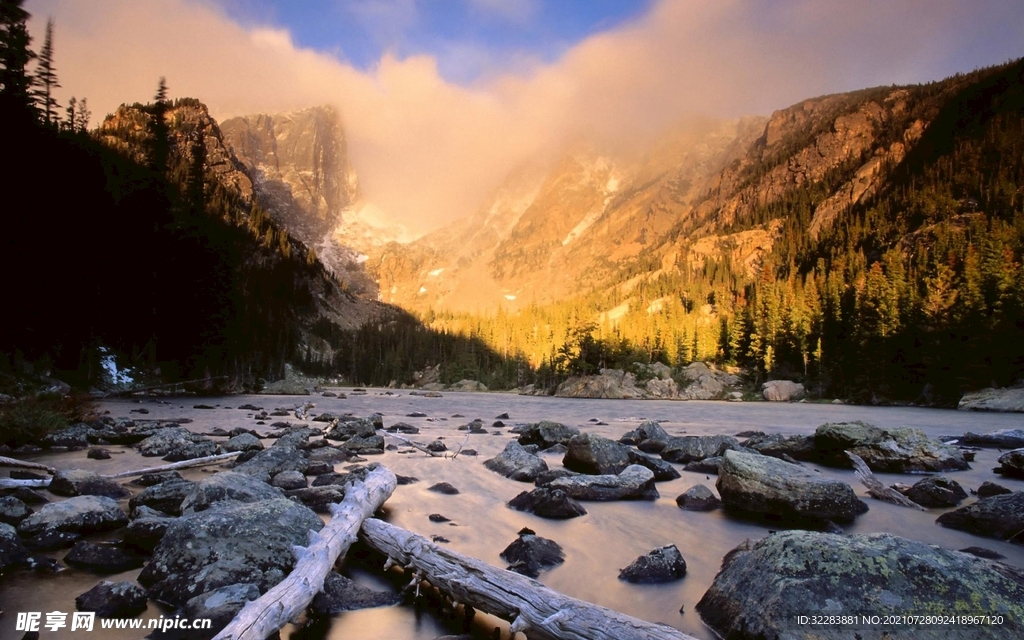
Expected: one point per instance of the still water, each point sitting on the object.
(596, 545)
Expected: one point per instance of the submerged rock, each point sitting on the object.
(633, 483)
(759, 484)
(444, 488)
(1000, 516)
(761, 589)
(101, 558)
(529, 554)
(663, 564)
(547, 503)
(341, 594)
(78, 482)
(517, 463)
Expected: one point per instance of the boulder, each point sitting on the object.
(661, 389)
(74, 437)
(78, 482)
(899, 450)
(776, 445)
(547, 503)
(13, 511)
(649, 437)
(761, 590)
(632, 483)
(81, 515)
(164, 441)
(936, 491)
(288, 480)
(192, 451)
(782, 390)
(150, 479)
(698, 498)
(757, 484)
(227, 485)
(1012, 463)
(28, 496)
(318, 499)
(1000, 516)
(547, 434)
(663, 471)
(701, 382)
(663, 564)
(166, 496)
(231, 542)
(350, 426)
(270, 462)
(146, 532)
(12, 551)
(588, 453)
(113, 600)
(993, 400)
(242, 442)
(709, 466)
(341, 594)
(517, 463)
(1000, 438)
(691, 448)
(443, 488)
(101, 558)
(610, 383)
(988, 489)
(468, 385)
(529, 554)
(365, 445)
(219, 606)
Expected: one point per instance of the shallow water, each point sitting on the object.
(596, 545)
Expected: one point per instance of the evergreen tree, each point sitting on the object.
(81, 122)
(15, 55)
(69, 114)
(46, 79)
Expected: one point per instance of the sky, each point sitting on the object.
(440, 99)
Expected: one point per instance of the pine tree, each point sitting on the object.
(69, 114)
(15, 83)
(46, 79)
(83, 116)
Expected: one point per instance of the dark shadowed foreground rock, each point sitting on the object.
(633, 483)
(13, 511)
(759, 484)
(12, 551)
(231, 542)
(78, 482)
(1012, 463)
(899, 450)
(692, 448)
(760, 591)
(1000, 516)
(588, 453)
(988, 489)
(113, 600)
(664, 564)
(341, 594)
(101, 558)
(547, 503)
(936, 491)
(698, 498)
(219, 605)
(517, 463)
(530, 553)
(166, 496)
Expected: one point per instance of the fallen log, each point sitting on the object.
(876, 489)
(413, 443)
(184, 464)
(10, 483)
(13, 462)
(262, 617)
(539, 612)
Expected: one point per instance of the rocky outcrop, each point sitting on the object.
(899, 450)
(593, 454)
(751, 483)
(782, 391)
(999, 516)
(546, 434)
(692, 448)
(705, 383)
(632, 483)
(663, 564)
(610, 383)
(228, 485)
(516, 463)
(761, 589)
(1011, 400)
(776, 445)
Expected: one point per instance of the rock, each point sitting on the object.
(401, 427)
(436, 446)
(1012, 463)
(150, 479)
(752, 483)
(101, 558)
(331, 456)
(547, 503)
(982, 552)
(663, 564)
(28, 496)
(437, 517)
(545, 477)
(295, 437)
(242, 442)
(690, 448)
(341, 594)
(350, 426)
(633, 483)
(782, 390)
(13, 511)
(936, 491)
(145, 533)
(12, 551)
(166, 496)
(365, 445)
(649, 437)
(21, 474)
(594, 454)
(288, 480)
(229, 543)
(405, 480)
(707, 466)
(192, 451)
(220, 606)
(164, 441)
(1000, 516)
(443, 487)
(228, 485)
(78, 482)
(516, 463)
(610, 383)
(270, 462)
(760, 590)
(1001, 438)
(318, 467)
(75, 437)
(988, 489)
(546, 434)
(530, 553)
(698, 498)
(899, 450)
(98, 454)
(776, 445)
(468, 385)
(113, 600)
(663, 471)
(318, 499)
(59, 523)
(994, 400)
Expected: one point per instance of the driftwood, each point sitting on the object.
(184, 464)
(417, 445)
(262, 617)
(9, 483)
(876, 489)
(539, 612)
(12, 462)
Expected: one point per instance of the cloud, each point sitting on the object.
(428, 150)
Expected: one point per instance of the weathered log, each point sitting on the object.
(262, 617)
(13, 462)
(876, 489)
(184, 464)
(9, 483)
(417, 445)
(539, 612)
